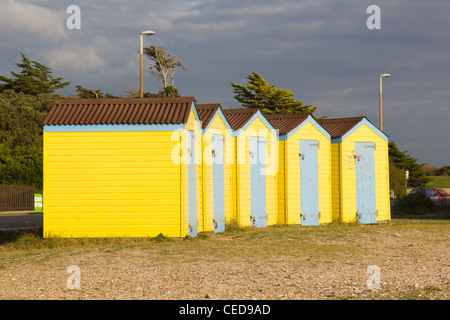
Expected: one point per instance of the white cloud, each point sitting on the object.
(76, 58)
(17, 17)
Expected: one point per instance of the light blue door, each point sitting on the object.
(366, 203)
(218, 183)
(258, 181)
(192, 185)
(309, 182)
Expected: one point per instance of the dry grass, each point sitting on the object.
(278, 262)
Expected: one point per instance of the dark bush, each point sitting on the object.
(417, 204)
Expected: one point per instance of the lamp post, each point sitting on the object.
(143, 33)
(384, 75)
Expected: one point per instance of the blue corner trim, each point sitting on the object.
(113, 127)
(356, 127)
(311, 120)
(219, 113)
(257, 115)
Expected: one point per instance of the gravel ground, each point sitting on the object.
(413, 265)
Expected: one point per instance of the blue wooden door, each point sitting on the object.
(218, 183)
(258, 181)
(192, 185)
(309, 182)
(366, 203)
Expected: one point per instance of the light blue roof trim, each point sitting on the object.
(113, 127)
(311, 120)
(199, 122)
(356, 127)
(257, 115)
(219, 113)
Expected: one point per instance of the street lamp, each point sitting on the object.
(384, 75)
(143, 33)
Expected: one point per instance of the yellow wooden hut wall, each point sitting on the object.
(295, 130)
(251, 125)
(346, 133)
(117, 167)
(214, 126)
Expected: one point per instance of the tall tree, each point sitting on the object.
(417, 177)
(168, 91)
(163, 66)
(34, 78)
(257, 93)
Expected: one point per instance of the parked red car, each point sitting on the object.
(442, 193)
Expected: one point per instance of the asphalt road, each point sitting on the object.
(23, 221)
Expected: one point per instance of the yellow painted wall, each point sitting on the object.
(216, 127)
(281, 182)
(336, 182)
(243, 182)
(347, 175)
(119, 184)
(292, 174)
(111, 184)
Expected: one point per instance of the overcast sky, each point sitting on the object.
(321, 50)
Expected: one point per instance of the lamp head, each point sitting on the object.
(147, 33)
(385, 75)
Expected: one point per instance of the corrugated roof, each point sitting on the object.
(206, 112)
(286, 122)
(239, 117)
(338, 127)
(120, 111)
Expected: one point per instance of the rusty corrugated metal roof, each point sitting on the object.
(338, 127)
(120, 111)
(239, 117)
(206, 112)
(286, 122)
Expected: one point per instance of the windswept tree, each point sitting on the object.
(34, 78)
(257, 93)
(164, 92)
(403, 161)
(163, 65)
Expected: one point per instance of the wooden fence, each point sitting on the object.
(16, 198)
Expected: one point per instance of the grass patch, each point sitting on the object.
(439, 182)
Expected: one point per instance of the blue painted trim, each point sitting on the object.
(356, 127)
(199, 122)
(311, 120)
(259, 115)
(219, 113)
(113, 127)
(121, 127)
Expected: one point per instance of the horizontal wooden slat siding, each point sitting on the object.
(102, 184)
(348, 178)
(281, 182)
(308, 132)
(335, 182)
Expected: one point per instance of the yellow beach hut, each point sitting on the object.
(217, 146)
(359, 170)
(303, 183)
(255, 169)
(122, 168)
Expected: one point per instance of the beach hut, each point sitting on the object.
(122, 168)
(303, 181)
(256, 164)
(217, 146)
(359, 170)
